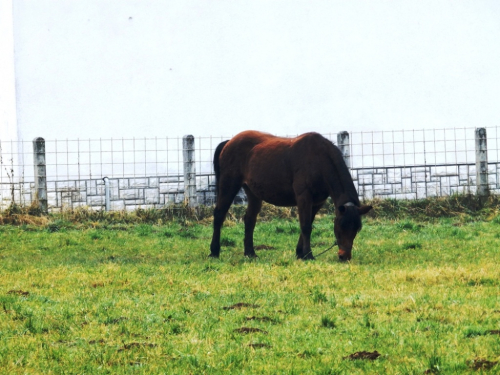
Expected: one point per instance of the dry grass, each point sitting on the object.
(21, 215)
(431, 208)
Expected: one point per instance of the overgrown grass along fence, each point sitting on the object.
(459, 206)
(118, 174)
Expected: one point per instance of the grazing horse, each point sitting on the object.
(302, 171)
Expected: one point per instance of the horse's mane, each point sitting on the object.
(343, 178)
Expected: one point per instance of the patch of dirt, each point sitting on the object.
(136, 345)
(101, 341)
(19, 292)
(493, 332)
(259, 345)
(67, 343)
(363, 355)
(260, 318)
(240, 305)
(246, 330)
(264, 247)
(482, 364)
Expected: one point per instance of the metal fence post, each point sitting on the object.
(481, 163)
(343, 144)
(189, 170)
(40, 173)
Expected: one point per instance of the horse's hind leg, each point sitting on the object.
(228, 188)
(253, 209)
(300, 245)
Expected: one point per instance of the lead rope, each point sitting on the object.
(334, 244)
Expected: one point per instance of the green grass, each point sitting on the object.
(108, 297)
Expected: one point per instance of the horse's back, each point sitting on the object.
(253, 146)
(251, 137)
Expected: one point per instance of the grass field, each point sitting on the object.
(116, 298)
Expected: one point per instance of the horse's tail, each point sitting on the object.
(217, 152)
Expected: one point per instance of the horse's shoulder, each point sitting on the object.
(315, 138)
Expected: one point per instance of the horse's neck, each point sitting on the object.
(341, 186)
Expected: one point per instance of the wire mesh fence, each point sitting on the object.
(422, 163)
(149, 172)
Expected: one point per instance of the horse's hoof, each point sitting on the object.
(214, 256)
(308, 256)
(252, 256)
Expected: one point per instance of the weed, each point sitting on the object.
(227, 242)
(367, 323)
(96, 235)
(474, 331)
(434, 363)
(412, 245)
(407, 225)
(144, 230)
(318, 296)
(327, 322)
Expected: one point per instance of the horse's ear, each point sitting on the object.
(364, 209)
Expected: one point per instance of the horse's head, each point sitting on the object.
(346, 226)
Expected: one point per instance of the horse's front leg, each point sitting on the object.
(300, 245)
(253, 209)
(306, 217)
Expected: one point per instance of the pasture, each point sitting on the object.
(104, 297)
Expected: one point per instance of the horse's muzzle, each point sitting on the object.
(344, 255)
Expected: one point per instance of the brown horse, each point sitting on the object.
(302, 171)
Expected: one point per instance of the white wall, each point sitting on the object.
(103, 68)
(10, 157)
(8, 124)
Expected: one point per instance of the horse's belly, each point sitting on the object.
(269, 177)
(270, 193)
(281, 200)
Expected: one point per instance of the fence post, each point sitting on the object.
(40, 173)
(343, 144)
(481, 163)
(189, 170)
(107, 199)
